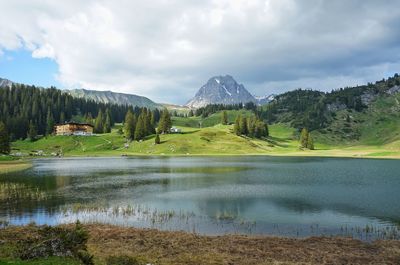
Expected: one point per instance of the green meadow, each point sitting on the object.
(211, 139)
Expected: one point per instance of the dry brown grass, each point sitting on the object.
(161, 247)
(12, 166)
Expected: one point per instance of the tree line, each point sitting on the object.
(138, 125)
(251, 126)
(213, 108)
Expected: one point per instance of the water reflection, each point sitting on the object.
(209, 194)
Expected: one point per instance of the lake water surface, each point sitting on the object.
(211, 195)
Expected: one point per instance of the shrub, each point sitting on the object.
(157, 139)
(58, 241)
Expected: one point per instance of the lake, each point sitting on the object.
(285, 196)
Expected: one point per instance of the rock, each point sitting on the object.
(367, 98)
(335, 107)
(393, 90)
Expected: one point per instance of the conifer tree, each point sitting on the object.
(243, 126)
(266, 130)
(98, 124)
(259, 129)
(157, 139)
(156, 114)
(165, 124)
(62, 117)
(236, 127)
(251, 126)
(224, 119)
(107, 122)
(32, 132)
(310, 142)
(89, 118)
(49, 122)
(149, 126)
(4, 139)
(140, 132)
(130, 125)
(304, 138)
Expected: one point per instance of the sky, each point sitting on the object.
(166, 50)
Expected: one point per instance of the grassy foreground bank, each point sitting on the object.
(144, 246)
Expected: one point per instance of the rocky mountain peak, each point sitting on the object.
(5, 82)
(221, 90)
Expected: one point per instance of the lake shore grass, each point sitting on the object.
(14, 165)
(168, 247)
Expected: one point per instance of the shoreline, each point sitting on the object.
(168, 247)
(316, 155)
(14, 166)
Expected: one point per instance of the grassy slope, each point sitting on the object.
(373, 133)
(209, 121)
(216, 140)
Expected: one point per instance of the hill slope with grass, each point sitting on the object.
(214, 140)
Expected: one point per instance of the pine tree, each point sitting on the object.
(157, 139)
(130, 125)
(243, 126)
(251, 126)
(49, 122)
(4, 139)
(259, 129)
(140, 132)
(98, 124)
(156, 115)
(89, 118)
(304, 138)
(224, 119)
(32, 132)
(236, 127)
(146, 116)
(107, 122)
(62, 117)
(310, 142)
(165, 124)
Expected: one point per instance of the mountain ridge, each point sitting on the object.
(113, 97)
(102, 96)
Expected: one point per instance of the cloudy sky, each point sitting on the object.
(167, 49)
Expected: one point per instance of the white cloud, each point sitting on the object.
(167, 49)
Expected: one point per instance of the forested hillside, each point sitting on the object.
(28, 109)
(317, 110)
